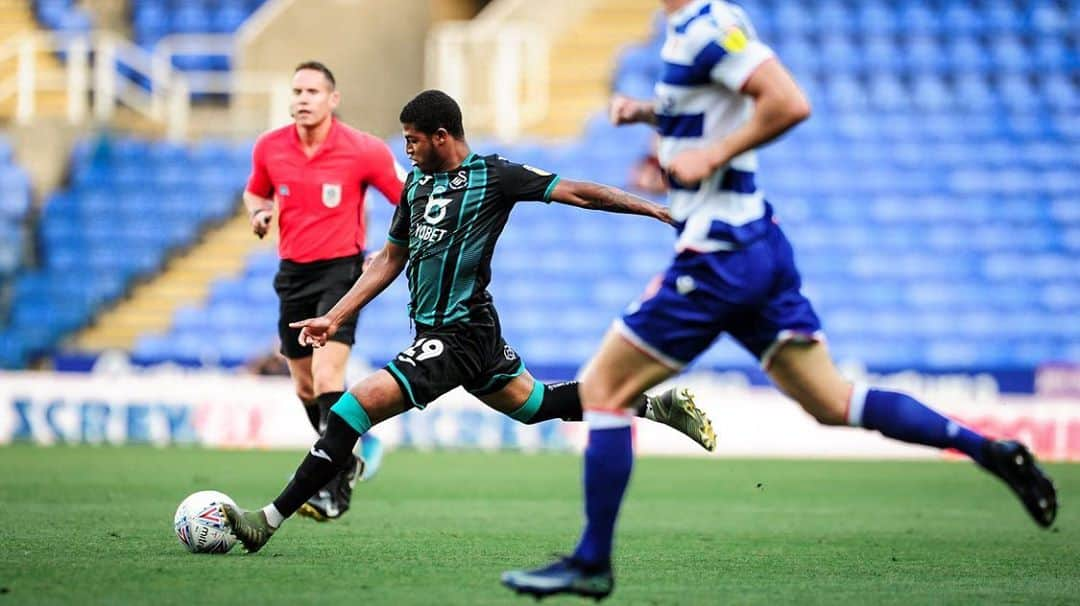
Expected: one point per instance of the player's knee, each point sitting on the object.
(306, 393)
(327, 380)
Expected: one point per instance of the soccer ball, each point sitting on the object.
(200, 523)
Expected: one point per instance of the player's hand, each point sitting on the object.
(260, 222)
(624, 110)
(692, 166)
(314, 331)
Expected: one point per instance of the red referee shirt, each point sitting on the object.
(321, 199)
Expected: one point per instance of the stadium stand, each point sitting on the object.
(14, 210)
(932, 198)
(63, 16)
(131, 203)
(152, 20)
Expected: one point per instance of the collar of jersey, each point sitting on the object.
(468, 160)
(330, 136)
(687, 13)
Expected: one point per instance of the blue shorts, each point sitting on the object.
(751, 293)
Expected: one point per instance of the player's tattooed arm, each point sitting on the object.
(386, 265)
(594, 196)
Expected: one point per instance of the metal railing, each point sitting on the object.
(110, 71)
(498, 71)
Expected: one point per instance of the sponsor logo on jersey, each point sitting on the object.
(509, 353)
(733, 40)
(331, 194)
(427, 233)
(435, 210)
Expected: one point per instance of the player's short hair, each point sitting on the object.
(431, 110)
(319, 67)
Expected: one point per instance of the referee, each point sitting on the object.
(318, 170)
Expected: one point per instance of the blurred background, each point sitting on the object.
(933, 200)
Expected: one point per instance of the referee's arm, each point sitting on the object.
(260, 212)
(385, 266)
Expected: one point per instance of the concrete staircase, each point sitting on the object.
(185, 281)
(17, 18)
(583, 62)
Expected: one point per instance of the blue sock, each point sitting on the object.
(901, 417)
(609, 458)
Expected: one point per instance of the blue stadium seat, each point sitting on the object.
(967, 56)
(875, 19)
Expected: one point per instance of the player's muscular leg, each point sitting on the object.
(328, 367)
(618, 374)
(380, 396)
(805, 373)
(300, 372)
(513, 396)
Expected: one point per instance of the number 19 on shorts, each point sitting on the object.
(423, 349)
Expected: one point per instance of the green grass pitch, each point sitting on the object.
(83, 525)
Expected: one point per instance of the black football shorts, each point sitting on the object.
(473, 355)
(308, 290)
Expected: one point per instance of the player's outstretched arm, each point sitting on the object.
(606, 198)
(260, 212)
(385, 266)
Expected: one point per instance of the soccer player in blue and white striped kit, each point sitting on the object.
(722, 94)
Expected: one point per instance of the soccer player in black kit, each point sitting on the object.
(454, 205)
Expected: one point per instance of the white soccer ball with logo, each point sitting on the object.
(200, 523)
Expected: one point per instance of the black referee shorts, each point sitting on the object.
(308, 290)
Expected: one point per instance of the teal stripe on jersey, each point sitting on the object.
(429, 271)
(470, 250)
(404, 243)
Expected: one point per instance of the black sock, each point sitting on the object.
(562, 401)
(331, 453)
(311, 407)
(323, 402)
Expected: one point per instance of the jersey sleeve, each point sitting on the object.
(399, 223)
(384, 173)
(259, 182)
(522, 182)
(730, 48)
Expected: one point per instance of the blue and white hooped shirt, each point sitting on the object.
(710, 51)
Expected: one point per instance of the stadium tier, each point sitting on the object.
(130, 204)
(152, 20)
(63, 15)
(932, 197)
(14, 208)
